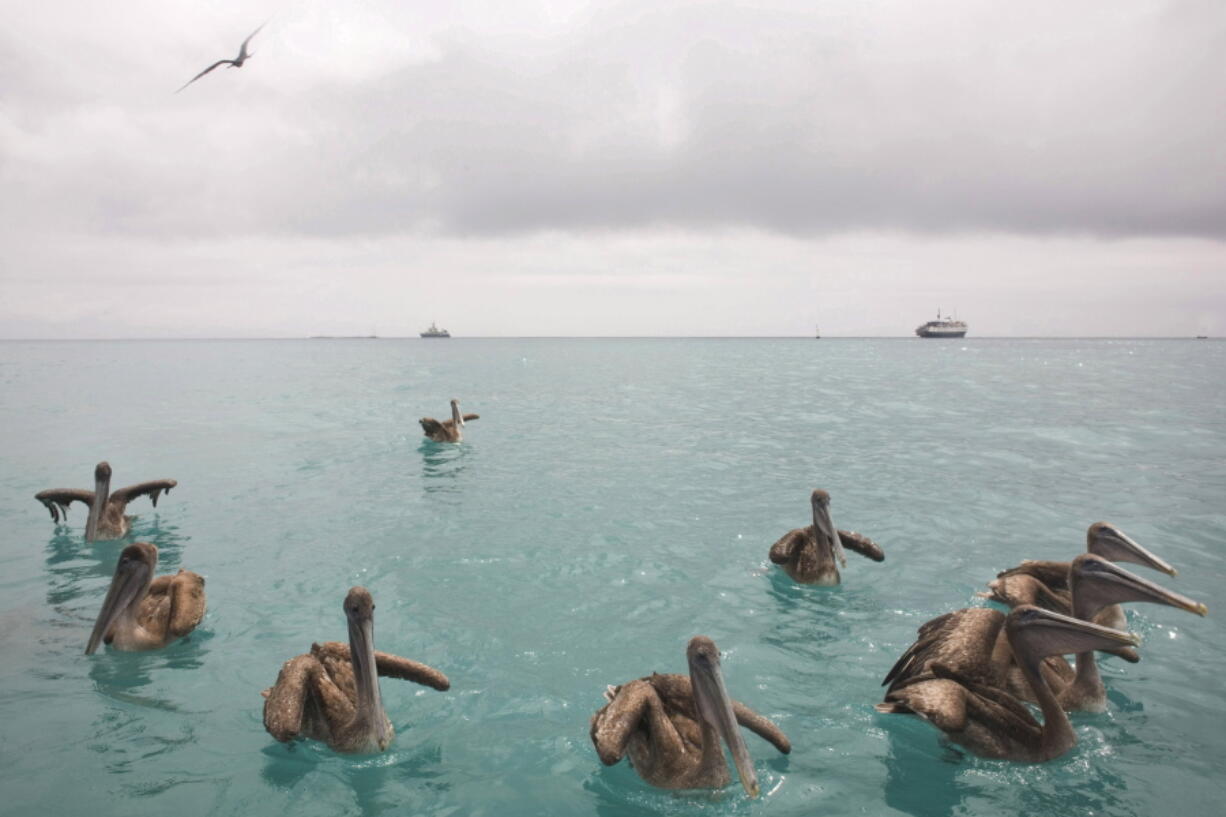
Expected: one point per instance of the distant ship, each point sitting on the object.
(435, 332)
(942, 328)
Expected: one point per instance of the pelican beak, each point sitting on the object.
(131, 578)
(715, 707)
(361, 620)
(824, 526)
(1118, 546)
(102, 485)
(1127, 586)
(1058, 634)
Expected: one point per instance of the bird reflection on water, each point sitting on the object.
(442, 465)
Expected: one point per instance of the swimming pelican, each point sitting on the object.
(332, 693)
(144, 613)
(991, 722)
(448, 431)
(106, 519)
(1046, 583)
(671, 726)
(970, 642)
(237, 62)
(808, 554)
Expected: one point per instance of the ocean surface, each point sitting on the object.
(615, 498)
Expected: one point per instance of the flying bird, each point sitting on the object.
(237, 62)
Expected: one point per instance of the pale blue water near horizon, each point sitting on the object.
(615, 498)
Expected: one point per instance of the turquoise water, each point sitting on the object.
(615, 498)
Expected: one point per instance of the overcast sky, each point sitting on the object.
(612, 168)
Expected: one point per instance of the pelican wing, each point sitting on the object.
(153, 489)
(941, 702)
(1053, 574)
(57, 501)
(962, 639)
(781, 552)
(187, 603)
(470, 417)
(616, 722)
(387, 665)
(761, 726)
(431, 426)
(861, 544)
(285, 701)
(205, 71)
(1022, 588)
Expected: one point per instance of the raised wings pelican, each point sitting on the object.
(988, 720)
(971, 643)
(144, 613)
(332, 693)
(671, 726)
(448, 431)
(106, 519)
(1046, 583)
(808, 554)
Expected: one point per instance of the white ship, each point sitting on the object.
(942, 328)
(435, 332)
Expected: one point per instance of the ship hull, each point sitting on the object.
(925, 332)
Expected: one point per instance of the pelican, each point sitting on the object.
(332, 693)
(448, 431)
(1045, 583)
(991, 722)
(970, 642)
(237, 62)
(106, 519)
(671, 726)
(808, 554)
(144, 613)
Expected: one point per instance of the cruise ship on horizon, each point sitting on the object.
(942, 328)
(435, 332)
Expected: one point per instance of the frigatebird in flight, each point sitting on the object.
(237, 62)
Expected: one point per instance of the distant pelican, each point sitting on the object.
(991, 722)
(808, 554)
(448, 431)
(144, 613)
(1046, 583)
(106, 519)
(237, 62)
(671, 726)
(332, 693)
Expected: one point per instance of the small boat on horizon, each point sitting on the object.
(435, 332)
(942, 328)
(817, 332)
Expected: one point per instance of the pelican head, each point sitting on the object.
(102, 490)
(456, 417)
(1106, 540)
(133, 575)
(713, 706)
(1035, 633)
(360, 614)
(1097, 582)
(823, 527)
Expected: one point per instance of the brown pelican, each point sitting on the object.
(970, 642)
(237, 62)
(144, 613)
(671, 726)
(808, 554)
(1047, 582)
(332, 693)
(991, 722)
(106, 519)
(448, 431)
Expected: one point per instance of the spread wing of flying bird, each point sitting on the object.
(237, 62)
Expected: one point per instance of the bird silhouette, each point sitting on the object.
(237, 62)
